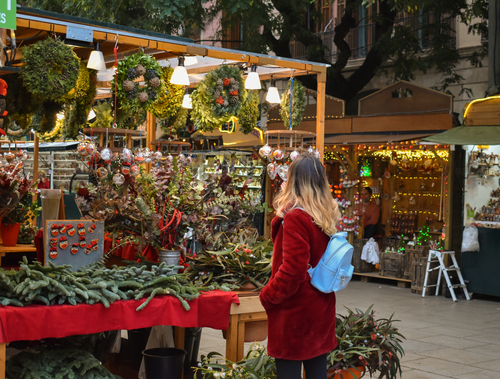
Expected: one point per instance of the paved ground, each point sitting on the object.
(444, 339)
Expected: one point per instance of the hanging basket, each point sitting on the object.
(299, 104)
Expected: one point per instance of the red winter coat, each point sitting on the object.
(301, 318)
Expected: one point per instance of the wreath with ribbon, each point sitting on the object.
(170, 99)
(249, 113)
(50, 69)
(299, 104)
(129, 93)
(218, 97)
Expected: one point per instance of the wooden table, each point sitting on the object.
(250, 309)
(20, 248)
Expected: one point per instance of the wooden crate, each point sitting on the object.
(417, 276)
(360, 265)
(388, 243)
(392, 264)
(412, 252)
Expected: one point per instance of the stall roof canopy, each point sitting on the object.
(372, 138)
(34, 24)
(468, 135)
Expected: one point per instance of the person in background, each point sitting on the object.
(43, 181)
(370, 213)
(301, 319)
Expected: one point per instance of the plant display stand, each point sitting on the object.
(15, 249)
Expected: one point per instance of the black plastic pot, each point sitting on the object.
(137, 341)
(164, 363)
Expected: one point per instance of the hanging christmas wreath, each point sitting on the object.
(55, 134)
(50, 69)
(169, 100)
(130, 94)
(218, 97)
(175, 124)
(249, 113)
(299, 104)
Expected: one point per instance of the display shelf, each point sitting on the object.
(239, 166)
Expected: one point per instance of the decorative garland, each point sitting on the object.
(129, 93)
(169, 100)
(50, 69)
(249, 113)
(218, 97)
(299, 104)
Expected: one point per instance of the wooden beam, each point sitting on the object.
(36, 142)
(337, 155)
(320, 117)
(150, 133)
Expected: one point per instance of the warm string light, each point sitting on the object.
(411, 155)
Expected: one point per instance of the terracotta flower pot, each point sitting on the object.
(10, 233)
(346, 374)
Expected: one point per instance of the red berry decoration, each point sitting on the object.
(220, 100)
(226, 82)
(234, 93)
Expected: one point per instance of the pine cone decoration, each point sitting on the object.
(234, 100)
(140, 70)
(128, 85)
(226, 103)
(220, 82)
(143, 97)
(154, 82)
(232, 81)
(216, 94)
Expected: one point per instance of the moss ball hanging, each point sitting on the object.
(299, 104)
(218, 97)
(170, 98)
(50, 69)
(130, 94)
(249, 113)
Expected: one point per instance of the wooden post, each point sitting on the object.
(320, 113)
(268, 217)
(449, 172)
(150, 134)
(3, 39)
(35, 157)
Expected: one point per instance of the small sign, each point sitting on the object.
(8, 14)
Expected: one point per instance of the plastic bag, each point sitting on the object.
(470, 241)
(370, 252)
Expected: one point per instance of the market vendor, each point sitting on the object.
(369, 212)
(43, 181)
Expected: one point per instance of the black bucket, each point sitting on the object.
(137, 341)
(164, 363)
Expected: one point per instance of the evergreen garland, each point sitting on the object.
(218, 97)
(50, 69)
(57, 363)
(130, 94)
(169, 100)
(55, 134)
(249, 113)
(103, 115)
(299, 104)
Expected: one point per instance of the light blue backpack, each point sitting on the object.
(334, 270)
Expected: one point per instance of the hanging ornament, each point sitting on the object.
(169, 158)
(101, 173)
(127, 155)
(139, 157)
(91, 148)
(283, 172)
(126, 169)
(134, 170)
(148, 156)
(82, 148)
(310, 150)
(189, 160)
(9, 156)
(317, 154)
(181, 159)
(106, 154)
(158, 155)
(265, 151)
(294, 155)
(271, 170)
(118, 179)
(278, 154)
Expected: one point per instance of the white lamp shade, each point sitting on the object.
(273, 96)
(191, 60)
(187, 102)
(96, 61)
(91, 115)
(180, 76)
(252, 81)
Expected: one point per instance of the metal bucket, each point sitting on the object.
(170, 257)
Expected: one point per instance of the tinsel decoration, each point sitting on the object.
(211, 111)
(299, 104)
(169, 101)
(50, 69)
(249, 113)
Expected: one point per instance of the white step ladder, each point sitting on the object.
(436, 256)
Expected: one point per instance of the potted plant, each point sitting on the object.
(14, 186)
(365, 344)
(17, 223)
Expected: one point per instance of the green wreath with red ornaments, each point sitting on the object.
(218, 97)
(299, 104)
(130, 94)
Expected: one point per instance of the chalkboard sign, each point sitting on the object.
(73, 242)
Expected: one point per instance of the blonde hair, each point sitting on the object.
(307, 187)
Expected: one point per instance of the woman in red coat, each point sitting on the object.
(301, 319)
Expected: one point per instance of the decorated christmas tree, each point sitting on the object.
(423, 234)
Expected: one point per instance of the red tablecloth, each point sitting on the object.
(36, 322)
(129, 251)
